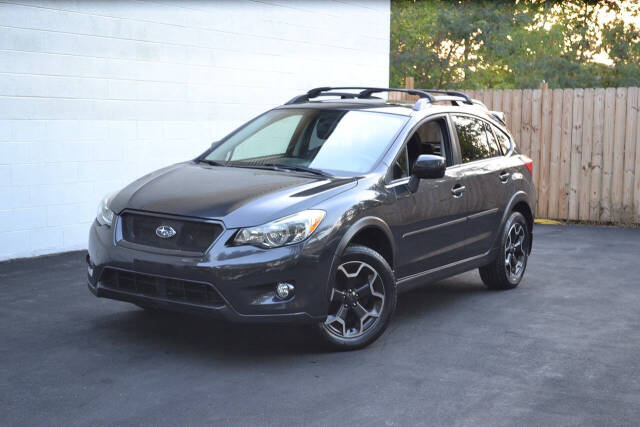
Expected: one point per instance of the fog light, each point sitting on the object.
(284, 290)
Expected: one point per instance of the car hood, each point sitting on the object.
(240, 197)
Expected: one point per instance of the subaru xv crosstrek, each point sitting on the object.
(322, 210)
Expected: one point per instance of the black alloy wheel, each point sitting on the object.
(507, 269)
(361, 300)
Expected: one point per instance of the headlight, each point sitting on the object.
(283, 231)
(105, 215)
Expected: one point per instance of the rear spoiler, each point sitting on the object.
(499, 115)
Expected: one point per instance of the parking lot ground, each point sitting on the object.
(563, 348)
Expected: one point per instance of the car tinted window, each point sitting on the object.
(331, 140)
(503, 140)
(431, 137)
(472, 138)
(491, 140)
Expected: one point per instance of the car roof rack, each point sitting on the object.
(425, 96)
(451, 95)
(365, 93)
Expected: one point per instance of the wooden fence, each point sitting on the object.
(585, 146)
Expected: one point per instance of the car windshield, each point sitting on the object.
(331, 141)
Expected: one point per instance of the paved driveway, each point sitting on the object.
(563, 348)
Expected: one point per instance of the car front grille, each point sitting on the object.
(161, 287)
(190, 236)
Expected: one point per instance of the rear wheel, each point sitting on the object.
(506, 271)
(361, 301)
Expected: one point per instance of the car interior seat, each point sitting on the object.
(427, 139)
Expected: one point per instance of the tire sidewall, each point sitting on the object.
(375, 260)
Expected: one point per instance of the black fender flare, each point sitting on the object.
(519, 196)
(361, 224)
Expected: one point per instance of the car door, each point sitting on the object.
(486, 190)
(430, 221)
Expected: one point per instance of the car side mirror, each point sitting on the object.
(427, 166)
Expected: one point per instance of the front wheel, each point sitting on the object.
(362, 299)
(506, 271)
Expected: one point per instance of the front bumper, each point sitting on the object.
(244, 277)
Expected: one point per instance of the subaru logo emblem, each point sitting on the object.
(165, 231)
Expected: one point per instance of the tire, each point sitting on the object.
(358, 318)
(503, 273)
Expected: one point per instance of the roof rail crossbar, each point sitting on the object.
(462, 95)
(451, 98)
(365, 93)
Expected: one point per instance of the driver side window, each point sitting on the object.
(430, 137)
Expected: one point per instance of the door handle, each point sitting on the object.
(458, 190)
(504, 176)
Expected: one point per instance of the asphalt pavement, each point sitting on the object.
(561, 349)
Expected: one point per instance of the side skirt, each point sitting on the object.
(416, 280)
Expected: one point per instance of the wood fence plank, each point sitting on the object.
(545, 151)
(496, 103)
(506, 107)
(636, 177)
(585, 160)
(617, 172)
(595, 205)
(525, 134)
(575, 154)
(565, 154)
(555, 156)
(536, 144)
(516, 117)
(409, 82)
(488, 98)
(629, 156)
(607, 153)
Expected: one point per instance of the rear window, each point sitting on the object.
(472, 138)
(503, 140)
(491, 140)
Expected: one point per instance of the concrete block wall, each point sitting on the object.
(94, 94)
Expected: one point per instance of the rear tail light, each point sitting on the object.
(528, 163)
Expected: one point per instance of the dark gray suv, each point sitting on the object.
(321, 210)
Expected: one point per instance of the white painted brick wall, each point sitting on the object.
(94, 94)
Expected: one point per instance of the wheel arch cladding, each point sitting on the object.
(373, 233)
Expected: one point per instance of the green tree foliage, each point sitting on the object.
(515, 44)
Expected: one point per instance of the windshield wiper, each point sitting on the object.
(277, 166)
(270, 166)
(211, 162)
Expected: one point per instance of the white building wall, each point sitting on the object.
(94, 94)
